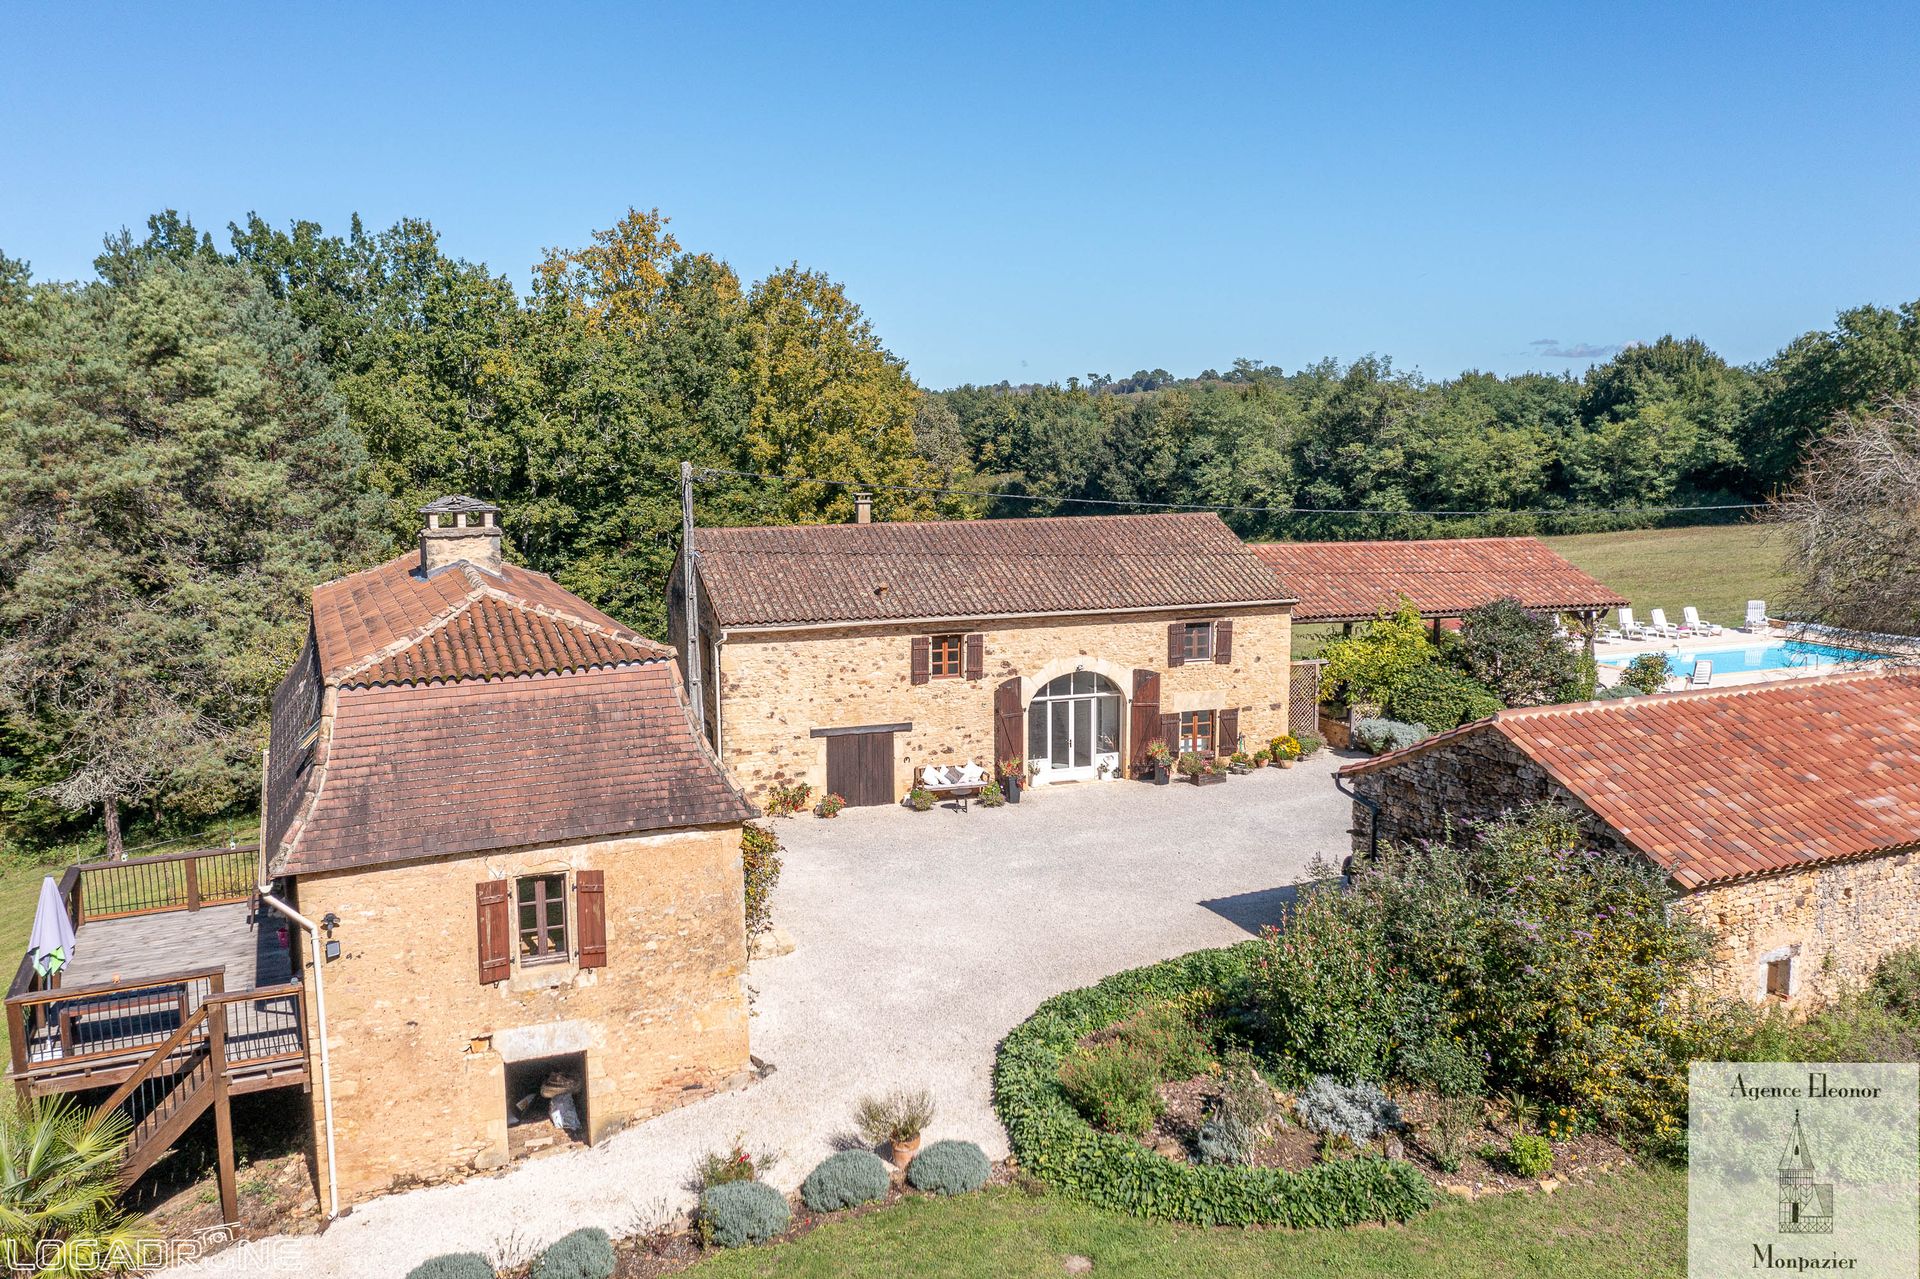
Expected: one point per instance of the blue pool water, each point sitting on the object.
(1760, 655)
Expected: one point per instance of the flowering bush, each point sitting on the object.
(830, 806)
(785, 801)
(1555, 966)
(760, 867)
(1159, 754)
(1286, 746)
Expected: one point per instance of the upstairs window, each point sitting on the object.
(542, 901)
(944, 656)
(1196, 732)
(1196, 642)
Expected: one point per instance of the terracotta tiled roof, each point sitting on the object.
(392, 625)
(829, 573)
(425, 771)
(1355, 581)
(1723, 783)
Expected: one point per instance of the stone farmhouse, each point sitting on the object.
(849, 656)
(1786, 815)
(525, 862)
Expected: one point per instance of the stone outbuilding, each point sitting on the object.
(525, 862)
(1786, 816)
(849, 656)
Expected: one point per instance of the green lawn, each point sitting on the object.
(1633, 1224)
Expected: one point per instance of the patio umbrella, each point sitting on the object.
(51, 945)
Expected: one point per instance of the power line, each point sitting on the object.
(709, 472)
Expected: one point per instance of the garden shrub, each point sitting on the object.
(1647, 673)
(1558, 967)
(454, 1265)
(785, 801)
(1358, 1111)
(738, 1213)
(1378, 736)
(1613, 692)
(1896, 981)
(1513, 652)
(1166, 1033)
(898, 1116)
(1441, 698)
(1311, 744)
(845, 1180)
(1115, 1086)
(1529, 1155)
(1059, 1148)
(760, 865)
(584, 1254)
(949, 1168)
(1233, 1131)
(1368, 666)
(737, 1163)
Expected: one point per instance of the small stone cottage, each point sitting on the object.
(849, 656)
(1785, 815)
(525, 860)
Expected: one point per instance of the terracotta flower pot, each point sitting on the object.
(903, 1150)
(1286, 763)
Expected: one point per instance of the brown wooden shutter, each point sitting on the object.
(590, 892)
(1223, 642)
(922, 661)
(1144, 725)
(494, 907)
(1170, 733)
(1227, 741)
(1006, 724)
(1176, 643)
(976, 656)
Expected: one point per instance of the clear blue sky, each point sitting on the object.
(1031, 195)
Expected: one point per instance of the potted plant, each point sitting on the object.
(1241, 764)
(1159, 762)
(920, 799)
(830, 805)
(1217, 768)
(1262, 757)
(991, 796)
(1198, 769)
(1286, 750)
(1013, 774)
(897, 1120)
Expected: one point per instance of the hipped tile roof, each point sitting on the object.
(850, 573)
(465, 767)
(1720, 784)
(1355, 581)
(392, 625)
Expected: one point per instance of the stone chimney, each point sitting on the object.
(459, 528)
(863, 508)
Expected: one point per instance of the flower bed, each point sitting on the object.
(1072, 1158)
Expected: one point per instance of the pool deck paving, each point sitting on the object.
(920, 940)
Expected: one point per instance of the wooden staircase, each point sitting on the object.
(174, 1086)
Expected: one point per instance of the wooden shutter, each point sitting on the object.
(1144, 725)
(1227, 740)
(1176, 644)
(1223, 642)
(1006, 724)
(590, 892)
(922, 662)
(976, 656)
(1170, 733)
(494, 908)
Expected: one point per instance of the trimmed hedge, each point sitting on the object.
(1054, 1144)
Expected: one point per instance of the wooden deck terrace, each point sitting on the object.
(155, 940)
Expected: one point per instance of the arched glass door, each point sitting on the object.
(1073, 728)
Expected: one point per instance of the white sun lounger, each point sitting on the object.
(1660, 626)
(1756, 617)
(1702, 674)
(1690, 623)
(1629, 629)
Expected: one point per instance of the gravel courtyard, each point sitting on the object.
(920, 939)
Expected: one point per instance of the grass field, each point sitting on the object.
(1634, 1224)
(1716, 568)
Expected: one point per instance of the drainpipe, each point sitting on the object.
(326, 1066)
(1373, 819)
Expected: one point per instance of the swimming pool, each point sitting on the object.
(1760, 655)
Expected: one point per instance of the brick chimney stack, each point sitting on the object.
(863, 508)
(459, 529)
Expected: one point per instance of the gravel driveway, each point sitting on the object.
(921, 939)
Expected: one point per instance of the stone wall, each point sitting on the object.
(419, 1046)
(1834, 922)
(775, 688)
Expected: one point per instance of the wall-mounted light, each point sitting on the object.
(329, 922)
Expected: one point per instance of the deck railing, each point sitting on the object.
(84, 1025)
(169, 881)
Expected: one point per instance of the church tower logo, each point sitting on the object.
(1806, 1205)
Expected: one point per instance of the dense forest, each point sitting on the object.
(193, 438)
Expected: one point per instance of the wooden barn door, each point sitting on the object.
(1143, 726)
(860, 768)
